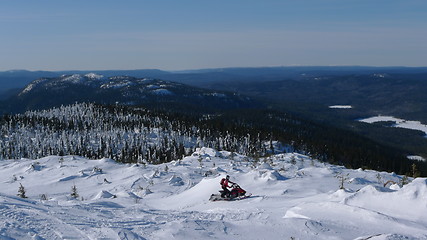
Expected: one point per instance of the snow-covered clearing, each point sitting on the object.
(415, 157)
(341, 106)
(402, 123)
(294, 197)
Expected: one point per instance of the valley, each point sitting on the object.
(325, 106)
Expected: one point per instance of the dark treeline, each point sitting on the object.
(122, 133)
(131, 134)
(325, 143)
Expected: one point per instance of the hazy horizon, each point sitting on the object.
(170, 35)
(213, 68)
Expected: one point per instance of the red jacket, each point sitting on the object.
(224, 183)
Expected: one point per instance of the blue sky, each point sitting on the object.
(191, 34)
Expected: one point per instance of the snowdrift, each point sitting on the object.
(407, 203)
(196, 195)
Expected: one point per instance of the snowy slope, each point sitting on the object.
(293, 197)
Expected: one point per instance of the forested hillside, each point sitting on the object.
(380, 92)
(134, 134)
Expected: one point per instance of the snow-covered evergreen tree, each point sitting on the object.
(74, 193)
(21, 191)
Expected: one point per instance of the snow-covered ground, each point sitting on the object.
(415, 157)
(402, 123)
(294, 197)
(341, 106)
(162, 91)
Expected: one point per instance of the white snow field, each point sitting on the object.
(341, 106)
(415, 157)
(402, 123)
(294, 197)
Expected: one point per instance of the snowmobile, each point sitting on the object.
(236, 193)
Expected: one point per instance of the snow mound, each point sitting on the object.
(361, 181)
(104, 194)
(176, 181)
(388, 237)
(269, 175)
(194, 196)
(107, 160)
(214, 171)
(133, 195)
(342, 217)
(34, 167)
(218, 170)
(129, 235)
(206, 152)
(69, 178)
(265, 166)
(275, 176)
(412, 196)
(417, 189)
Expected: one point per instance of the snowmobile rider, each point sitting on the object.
(224, 184)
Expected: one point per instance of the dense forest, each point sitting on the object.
(121, 133)
(136, 134)
(383, 92)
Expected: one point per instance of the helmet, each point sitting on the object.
(227, 177)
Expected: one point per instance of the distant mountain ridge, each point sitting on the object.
(20, 78)
(125, 90)
(17, 79)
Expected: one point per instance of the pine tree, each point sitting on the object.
(61, 161)
(342, 178)
(403, 181)
(43, 197)
(293, 161)
(21, 191)
(74, 193)
(414, 171)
